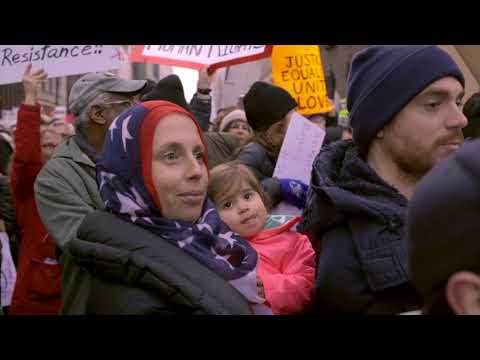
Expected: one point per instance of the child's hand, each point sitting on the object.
(294, 192)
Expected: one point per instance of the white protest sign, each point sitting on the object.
(60, 112)
(57, 60)
(198, 56)
(9, 273)
(204, 54)
(9, 118)
(301, 144)
(7, 115)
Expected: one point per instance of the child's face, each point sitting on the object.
(243, 211)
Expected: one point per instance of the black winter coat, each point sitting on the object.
(201, 110)
(136, 272)
(356, 223)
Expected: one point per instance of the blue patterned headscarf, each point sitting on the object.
(124, 192)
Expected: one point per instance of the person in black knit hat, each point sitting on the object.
(269, 109)
(169, 88)
(442, 235)
(404, 105)
(266, 104)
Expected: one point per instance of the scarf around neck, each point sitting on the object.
(124, 191)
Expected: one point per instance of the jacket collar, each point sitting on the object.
(264, 234)
(85, 147)
(70, 149)
(352, 185)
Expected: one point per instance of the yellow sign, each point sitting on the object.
(298, 69)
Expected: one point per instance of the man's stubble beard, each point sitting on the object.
(411, 163)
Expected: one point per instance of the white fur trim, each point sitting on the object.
(234, 115)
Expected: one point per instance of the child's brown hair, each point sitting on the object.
(228, 178)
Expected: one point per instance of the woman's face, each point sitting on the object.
(242, 130)
(49, 140)
(178, 170)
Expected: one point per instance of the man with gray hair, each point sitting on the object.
(66, 188)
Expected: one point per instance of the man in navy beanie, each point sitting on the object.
(404, 104)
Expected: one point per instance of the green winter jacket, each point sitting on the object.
(220, 147)
(65, 192)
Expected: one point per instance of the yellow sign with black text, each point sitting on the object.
(298, 69)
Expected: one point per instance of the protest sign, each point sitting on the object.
(301, 144)
(8, 273)
(198, 56)
(60, 112)
(57, 60)
(9, 117)
(298, 69)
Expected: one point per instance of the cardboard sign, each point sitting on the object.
(300, 146)
(198, 56)
(298, 69)
(57, 60)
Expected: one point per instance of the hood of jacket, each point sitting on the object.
(346, 185)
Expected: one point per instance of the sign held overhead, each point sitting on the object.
(198, 56)
(57, 60)
(298, 69)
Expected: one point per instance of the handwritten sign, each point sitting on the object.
(300, 146)
(298, 69)
(8, 274)
(57, 60)
(198, 56)
(60, 112)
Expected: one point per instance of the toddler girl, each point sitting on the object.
(286, 258)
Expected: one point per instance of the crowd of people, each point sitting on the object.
(146, 207)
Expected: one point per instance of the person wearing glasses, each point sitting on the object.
(66, 189)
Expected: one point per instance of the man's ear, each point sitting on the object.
(95, 112)
(463, 293)
(380, 134)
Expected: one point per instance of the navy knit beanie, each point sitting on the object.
(443, 221)
(266, 104)
(383, 79)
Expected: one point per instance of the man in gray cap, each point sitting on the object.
(66, 188)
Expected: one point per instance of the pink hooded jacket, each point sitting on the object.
(286, 267)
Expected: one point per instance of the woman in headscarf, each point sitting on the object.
(159, 247)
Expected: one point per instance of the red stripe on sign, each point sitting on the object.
(266, 53)
(136, 56)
